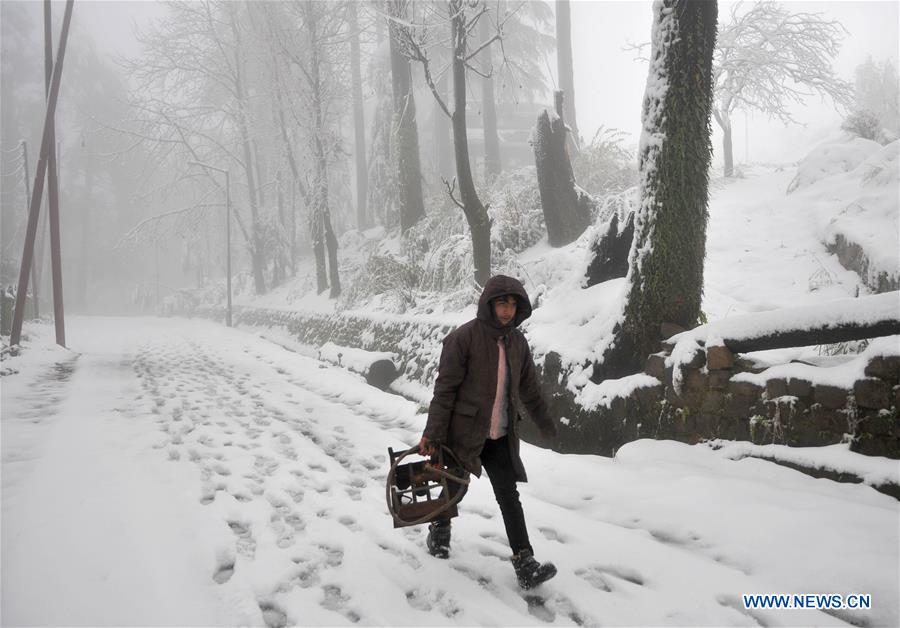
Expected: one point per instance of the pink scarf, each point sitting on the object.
(499, 411)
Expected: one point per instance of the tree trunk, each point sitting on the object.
(383, 188)
(257, 255)
(565, 67)
(331, 245)
(359, 125)
(492, 166)
(665, 280)
(727, 152)
(565, 215)
(296, 182)
(317, 232)
(443, 153)
(474, 210)
(85, 233)
(324, 237)
(406, 134)
(279, 264)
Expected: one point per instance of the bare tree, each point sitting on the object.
(463, 16)
(192, 104)
(768, 58)
(310, 35)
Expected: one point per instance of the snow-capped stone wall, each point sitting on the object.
(713, 394)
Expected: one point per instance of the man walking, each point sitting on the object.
(485, 374)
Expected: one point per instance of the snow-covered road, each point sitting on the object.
(179, 472)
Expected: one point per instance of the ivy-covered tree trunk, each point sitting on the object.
(566, 214)
(665, 277)
(406, 133)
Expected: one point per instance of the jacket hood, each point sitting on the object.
(498, 286)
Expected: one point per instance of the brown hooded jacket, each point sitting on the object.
(460, 412)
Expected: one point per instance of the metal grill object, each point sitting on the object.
(420, 491)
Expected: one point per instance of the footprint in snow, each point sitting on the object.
(734, 602)
(552, 535)
(537, 607)
(284, 535)
(406, 556)
(427, 600)
(223, 572)
(273, 615)
(246, 544)
(335, 600)
(618, 571)
(334, 555)
(594, 577)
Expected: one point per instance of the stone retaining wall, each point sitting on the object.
(784, 411)
(418, 343)
(708, 405)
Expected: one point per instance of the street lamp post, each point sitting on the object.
(227, 233)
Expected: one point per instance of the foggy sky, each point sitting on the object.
(609, 82)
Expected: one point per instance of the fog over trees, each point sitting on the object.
(368, 149)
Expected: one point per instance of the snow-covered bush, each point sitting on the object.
(393, 277)
(865, 124)
(832, 158)
(517, 219)
(621, 203)
(605, 166)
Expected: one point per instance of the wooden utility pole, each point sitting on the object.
(47, 147)
(53, 193)
(34, 277)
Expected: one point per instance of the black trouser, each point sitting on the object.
(497, 463)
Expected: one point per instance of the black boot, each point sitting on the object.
(439, 539)
(529, 571)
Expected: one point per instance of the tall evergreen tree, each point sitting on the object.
(359, 125)
(565, 67)
(665, 277)
(406, 133)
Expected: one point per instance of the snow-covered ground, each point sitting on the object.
(174, 472)
(170, 472)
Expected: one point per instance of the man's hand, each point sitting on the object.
(427, 447)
